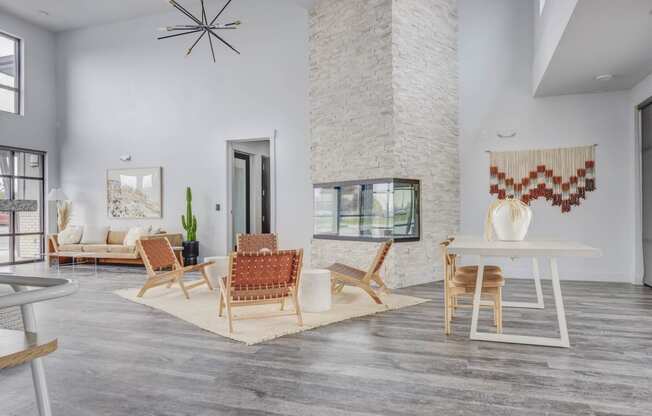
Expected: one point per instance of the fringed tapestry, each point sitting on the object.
(561, 176)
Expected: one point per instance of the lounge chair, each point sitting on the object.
(343, 275)
(158, 257)
(259, 279)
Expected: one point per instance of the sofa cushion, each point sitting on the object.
(74, 248)
(116, 237)
(134, 234)
(71, 235)
(95, 248)
(119, 248)
(94, 234)
(130, 256)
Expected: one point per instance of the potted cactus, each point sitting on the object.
(189, 223)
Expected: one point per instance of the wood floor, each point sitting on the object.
(121, 358)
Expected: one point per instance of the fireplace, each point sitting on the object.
(368, 210)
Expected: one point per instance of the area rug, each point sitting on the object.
(201, 310)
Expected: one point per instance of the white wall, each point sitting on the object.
(640, 93)
(35, 129)
(122, 91)
(495, 53)
(549, 28)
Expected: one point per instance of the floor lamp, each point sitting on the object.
(63, 209)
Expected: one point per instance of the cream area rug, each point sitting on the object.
(201, 310)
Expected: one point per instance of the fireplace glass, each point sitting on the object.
(367, 210)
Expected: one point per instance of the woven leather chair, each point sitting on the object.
(460, 281)
(259, 279)
(253, 243)
(158, 256)
(343, 275)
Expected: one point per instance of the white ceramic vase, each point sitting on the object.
(509, 225)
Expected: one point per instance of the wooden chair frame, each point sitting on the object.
(248, 243)
(157, 277)
(227, 302)
(343, 275)
(452, 291)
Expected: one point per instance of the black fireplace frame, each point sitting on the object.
(396, 239)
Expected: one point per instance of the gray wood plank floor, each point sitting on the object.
(120, 358)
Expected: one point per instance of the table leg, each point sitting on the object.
(476, 298)
(537, 287)
(562, 341)
(559, 303)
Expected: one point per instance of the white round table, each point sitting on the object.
(218, 270)
(315, 290)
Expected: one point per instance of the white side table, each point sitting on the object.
(218, 270)
(315, 290)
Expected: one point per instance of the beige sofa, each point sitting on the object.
(112, 252)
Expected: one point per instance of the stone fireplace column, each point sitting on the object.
(383, 103)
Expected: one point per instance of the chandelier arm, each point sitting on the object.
(195, 44)
(184, 11)
(210, 40)
(223, 41)
(204, 19)
(179, 34)
(220, 13)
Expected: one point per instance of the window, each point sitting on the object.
(542, 5)
(9, 74)
(371, 210)
(22, 202)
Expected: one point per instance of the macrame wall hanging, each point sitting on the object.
(561, 176)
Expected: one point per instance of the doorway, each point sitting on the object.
(250, 188)
(646, 162)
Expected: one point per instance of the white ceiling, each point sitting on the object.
(602, 37)
(74, 14)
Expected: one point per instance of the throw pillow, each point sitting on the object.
(71, 235)
(134, 234)
(94, 234)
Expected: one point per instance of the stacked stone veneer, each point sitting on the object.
(383, 99)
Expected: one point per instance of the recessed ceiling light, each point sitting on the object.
(43, 12)
(604, 77)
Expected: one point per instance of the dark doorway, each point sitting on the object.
(241, 209)
(265, 167)
(646, 160)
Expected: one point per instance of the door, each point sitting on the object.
(646, 158)
(241, 206)
(265, 206)
(22, 177)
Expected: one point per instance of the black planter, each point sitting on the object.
(190, 252)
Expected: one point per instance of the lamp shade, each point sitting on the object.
(57, 194)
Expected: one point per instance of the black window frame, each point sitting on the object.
(13, 177)
(17, 90)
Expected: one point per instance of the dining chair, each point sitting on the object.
(253, 243)
(459, 281)
(28, 346)
(344, 275)
(261, 278)
(163, 267)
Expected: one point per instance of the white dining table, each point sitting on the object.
(484, 250)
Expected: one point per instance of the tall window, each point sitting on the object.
(9, 74)
(21, 205)
(542, 5)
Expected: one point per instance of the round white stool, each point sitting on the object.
(315, 291)
(218, 270)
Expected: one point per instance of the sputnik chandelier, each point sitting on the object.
(201, 25)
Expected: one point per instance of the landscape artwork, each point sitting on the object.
(134, 193)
